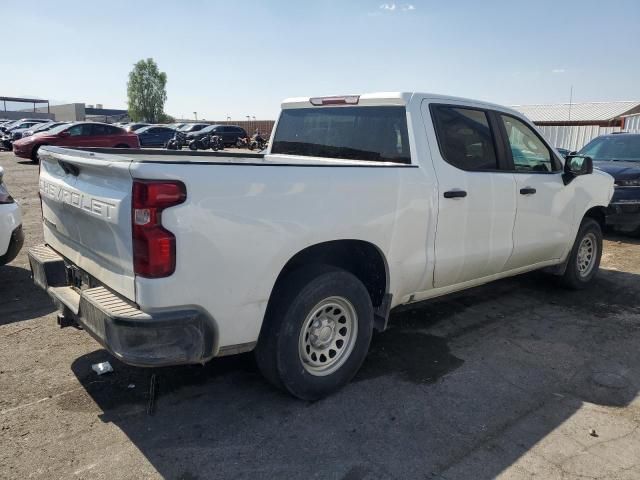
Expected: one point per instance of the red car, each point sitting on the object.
(80, 134)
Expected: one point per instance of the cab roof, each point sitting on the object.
(389, 98)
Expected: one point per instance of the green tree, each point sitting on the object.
(146, 91)
(166, 118)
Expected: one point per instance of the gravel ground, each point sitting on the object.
(519, 379)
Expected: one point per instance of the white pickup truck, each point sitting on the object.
(360, 204)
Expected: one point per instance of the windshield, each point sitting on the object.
(620, 147)
(376, 134)
(44, 126)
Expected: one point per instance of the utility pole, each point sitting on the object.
(570, 101)
(195, 114)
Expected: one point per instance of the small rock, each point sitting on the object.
(131, 385)
(102, 368)
(593, 433)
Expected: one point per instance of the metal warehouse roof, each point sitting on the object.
(579, 112)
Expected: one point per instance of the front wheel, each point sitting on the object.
(317, 334)
(584, 258)
(34, 154)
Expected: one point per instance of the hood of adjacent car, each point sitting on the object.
(619, 170)
(35, 137)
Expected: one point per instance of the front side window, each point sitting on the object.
(377, 134)
(529, 153)
(82, 130)
(465, 138)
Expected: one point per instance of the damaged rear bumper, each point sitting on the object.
(174, 337)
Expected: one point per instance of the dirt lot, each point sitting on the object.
(517, 379)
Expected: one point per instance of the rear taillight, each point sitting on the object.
(154, 247)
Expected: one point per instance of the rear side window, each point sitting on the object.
(114, 130)
(376, 134)
(465, 138)
(99, 130)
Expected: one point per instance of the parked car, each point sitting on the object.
(79, 134)
(301, 252)
(42, 127)
(13, 123)
(14, 133)
(155, 135)
(193, 127)
(132, 127)
(11, 234)
(619, 156)
(229, 133)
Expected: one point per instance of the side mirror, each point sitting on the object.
(576, 165)
(64, 134)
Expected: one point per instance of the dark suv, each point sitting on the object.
(619, 155)
(229, 133)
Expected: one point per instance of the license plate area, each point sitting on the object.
(78, 278)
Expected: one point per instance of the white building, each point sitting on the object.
(571, 126)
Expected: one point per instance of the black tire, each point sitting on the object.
(34, 154)
(278, 352)
(574, 277)
(193, 145)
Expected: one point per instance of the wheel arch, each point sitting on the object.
(361, 258)
(599, 214)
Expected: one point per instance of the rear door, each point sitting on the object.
(86, 208)
(543, 226)
(476, 199)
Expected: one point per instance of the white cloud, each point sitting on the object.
(393, 7)
(558, 70)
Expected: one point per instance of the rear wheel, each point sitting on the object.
(584, 259)
(317, 334)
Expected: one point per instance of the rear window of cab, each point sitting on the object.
(377, 134)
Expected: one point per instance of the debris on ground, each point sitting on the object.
(151, 406)
(102, 368)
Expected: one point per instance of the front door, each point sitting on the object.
(543, 226)
(476, 200)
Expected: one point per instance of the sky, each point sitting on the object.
(239, 58)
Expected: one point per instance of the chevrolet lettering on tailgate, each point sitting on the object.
(95, 206)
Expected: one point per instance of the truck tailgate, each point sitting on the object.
(86, 208)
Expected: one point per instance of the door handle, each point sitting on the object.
(455, 194)
(527, 191)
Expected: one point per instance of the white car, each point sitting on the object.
(11, 234)
(360, 204)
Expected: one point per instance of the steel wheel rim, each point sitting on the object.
(328, 336)
(587, 252)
